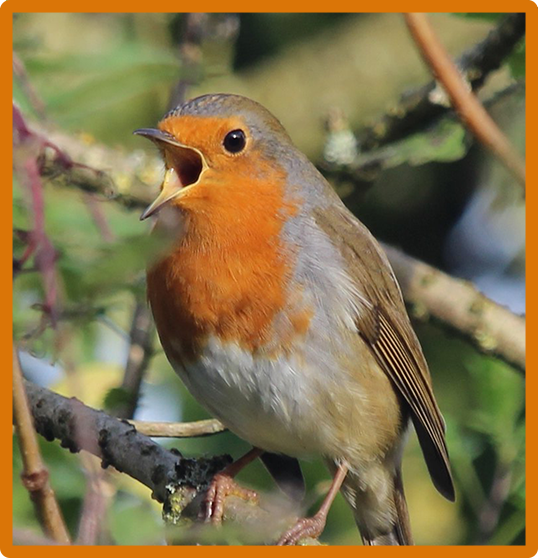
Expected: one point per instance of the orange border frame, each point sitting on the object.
(6, 12)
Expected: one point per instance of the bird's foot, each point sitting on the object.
(221, 487)
(305, 527)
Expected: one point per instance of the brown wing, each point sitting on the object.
(385, 327)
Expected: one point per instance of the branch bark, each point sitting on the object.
(117, 443)
(178, 482)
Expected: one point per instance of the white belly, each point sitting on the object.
(270, 403)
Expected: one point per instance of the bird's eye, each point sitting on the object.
(235, 141)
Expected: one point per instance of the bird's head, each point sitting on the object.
(216, 145)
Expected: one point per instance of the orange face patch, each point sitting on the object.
(206, 134)
(228, 274)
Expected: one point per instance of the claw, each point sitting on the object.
(221, 487)
(303, 528)
(313, 526)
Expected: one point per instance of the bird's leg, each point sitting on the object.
(313, 526)
(223, 485)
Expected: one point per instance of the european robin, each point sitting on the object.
(282, 315)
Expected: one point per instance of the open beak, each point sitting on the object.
(170, 188)
(184, 167)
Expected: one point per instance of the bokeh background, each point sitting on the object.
(101, 76)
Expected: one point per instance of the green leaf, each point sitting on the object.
(500, 400)
(516, 61)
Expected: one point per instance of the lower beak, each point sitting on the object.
(185, 165)
(170, 188)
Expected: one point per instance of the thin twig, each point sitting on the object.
(194, 29)
(69, 160)
(37, 103)
(194, 429)
(464, 101)
(44, 253)
(98, 496)
(35, 475)
(19, 71)
(99, 218)
(27, 148)
(140, 353)
(491, 328)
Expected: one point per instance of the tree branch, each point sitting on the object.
(35, 475)
(458, 305)
(417, 109)
(470, 109)
(117, 443)
(178, 482)
(71, 161)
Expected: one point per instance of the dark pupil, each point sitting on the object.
(235, 141)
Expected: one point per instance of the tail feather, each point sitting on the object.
(403, 525)
(390, 539)
(397, 530)
(400, 534)
(376, 495)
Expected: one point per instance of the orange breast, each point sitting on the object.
(229, 273)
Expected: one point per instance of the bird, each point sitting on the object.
(281, 314)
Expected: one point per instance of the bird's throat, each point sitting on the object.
(230, 251)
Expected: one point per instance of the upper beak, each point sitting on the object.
(184, 165)
(157, 136)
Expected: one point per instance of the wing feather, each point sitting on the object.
(384, 325)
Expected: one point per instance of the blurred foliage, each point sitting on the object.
(516, 61)
(444, 142)
(108, 74)
(265, 35)
(481, 15)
